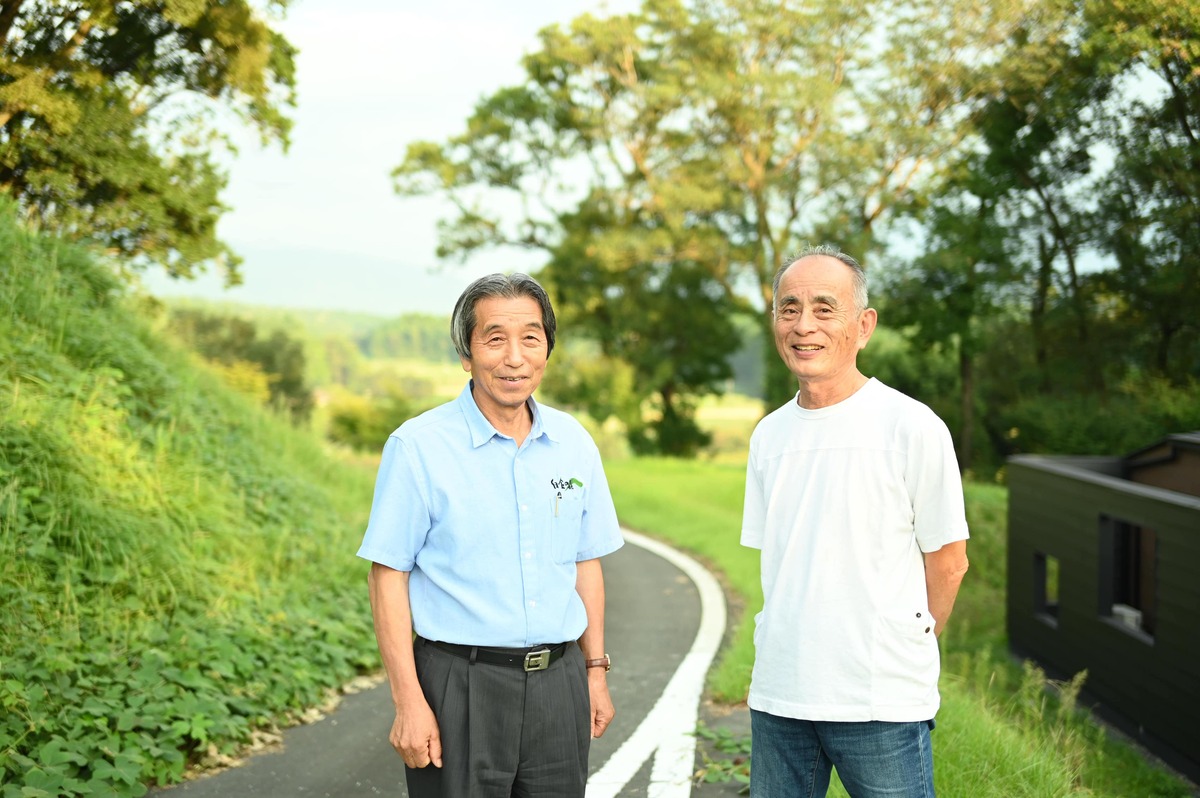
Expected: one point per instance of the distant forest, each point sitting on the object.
(338, 343)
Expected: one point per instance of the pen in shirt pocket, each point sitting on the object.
(557, 499)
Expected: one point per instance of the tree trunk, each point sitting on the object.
(966, 377)
(779, 384)
(8, 15)
(1037, 313)
(1162, 352)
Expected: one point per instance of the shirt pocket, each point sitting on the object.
(566, 510)
(906, 662)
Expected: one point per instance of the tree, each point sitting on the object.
(1150, 213)
(1006, 228)
(1040, 128)
(948, 293)
(229, 340)
(627, 285)
(716, 135)
(412, 335)
(108, 118)
(1073, 205)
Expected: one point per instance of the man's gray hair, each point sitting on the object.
(858, 274)
(505, 286)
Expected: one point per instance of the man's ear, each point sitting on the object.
(866, 325)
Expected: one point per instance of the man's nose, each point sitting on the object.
(513, 355)
(806, 321)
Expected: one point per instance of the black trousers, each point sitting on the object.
(505, 733)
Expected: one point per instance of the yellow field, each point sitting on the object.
(730, 419)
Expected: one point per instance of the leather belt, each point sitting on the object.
(536, 658)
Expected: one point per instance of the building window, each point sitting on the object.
(1129, 575)
(1045, 587)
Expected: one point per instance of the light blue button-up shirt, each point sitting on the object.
(491, 533)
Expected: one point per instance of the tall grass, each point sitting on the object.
(176, 564)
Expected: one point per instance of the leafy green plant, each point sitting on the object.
(364, 423)
(1081, 423)
(732, 763)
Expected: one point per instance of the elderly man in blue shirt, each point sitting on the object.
(490, 515)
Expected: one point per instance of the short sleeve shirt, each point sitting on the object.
(491, 532)
(844, 501)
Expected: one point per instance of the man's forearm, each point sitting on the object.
(944, 572)
(414, 732)
(589, 583)
(393, 630)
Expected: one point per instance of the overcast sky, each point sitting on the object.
(320, 227)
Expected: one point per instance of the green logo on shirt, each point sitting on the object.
(562, 484)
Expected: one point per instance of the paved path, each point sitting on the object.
(665, 617)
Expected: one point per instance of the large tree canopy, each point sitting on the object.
(670, 159)
(1025, 171)
(109, 115)
(1060, 251)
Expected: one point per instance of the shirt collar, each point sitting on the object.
(482, 430)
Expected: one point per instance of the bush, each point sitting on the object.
(363, 423)
(1140, 412)
(232, 343)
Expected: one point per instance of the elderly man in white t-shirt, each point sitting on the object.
(854, 497)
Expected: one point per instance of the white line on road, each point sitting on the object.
(668, 732)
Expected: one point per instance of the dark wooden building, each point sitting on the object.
(1104, 575)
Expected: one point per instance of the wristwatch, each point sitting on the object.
(603, 662)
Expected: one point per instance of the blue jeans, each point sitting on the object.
(874, 759)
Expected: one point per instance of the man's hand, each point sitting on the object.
(415, 736)
(602, 705)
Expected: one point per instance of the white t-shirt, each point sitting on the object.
(842, 501)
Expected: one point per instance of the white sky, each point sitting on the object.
(320, 227)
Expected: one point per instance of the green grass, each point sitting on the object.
(1003, 730)
(177, 565)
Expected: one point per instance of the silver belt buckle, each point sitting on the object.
(537, 660)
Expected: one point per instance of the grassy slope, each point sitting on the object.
(1000, 733)
(176, 565)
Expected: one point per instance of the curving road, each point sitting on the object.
(665, 620)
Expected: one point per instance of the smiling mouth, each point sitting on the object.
(808, 348)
